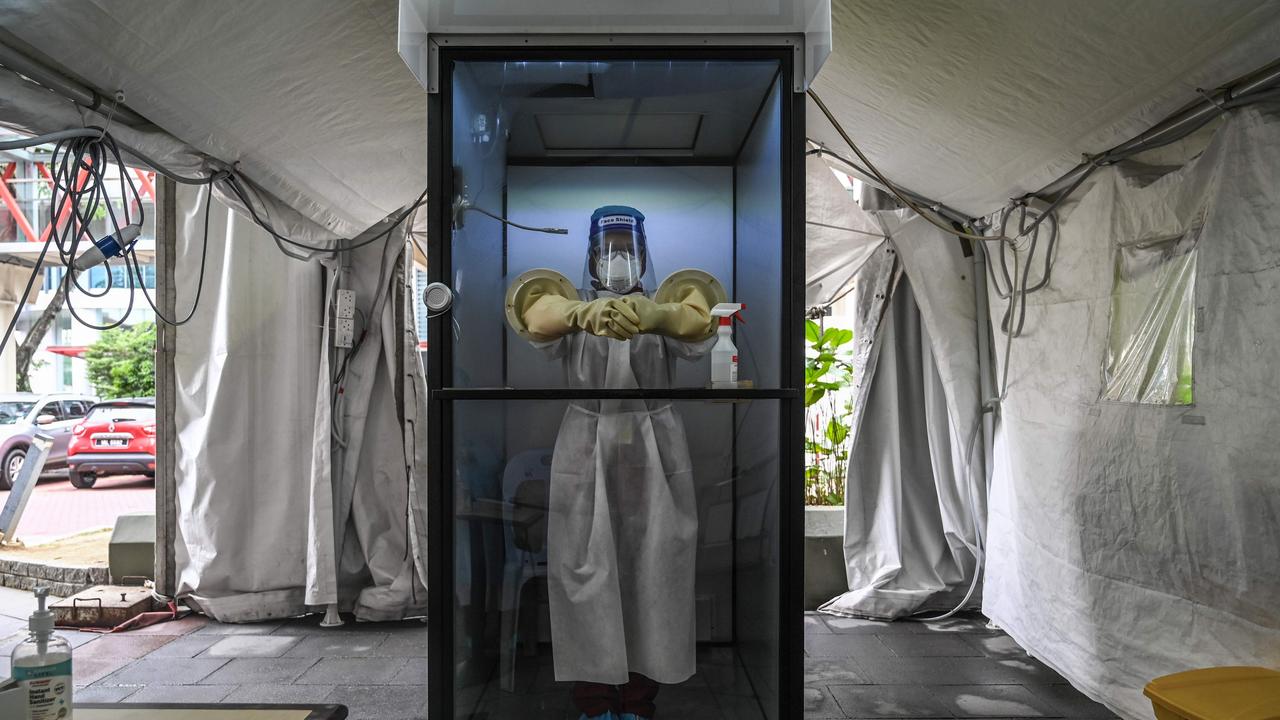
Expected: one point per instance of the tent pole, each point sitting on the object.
(75, 91)
(986, 389)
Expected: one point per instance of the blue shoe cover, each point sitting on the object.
(632, 716)
(603, 716)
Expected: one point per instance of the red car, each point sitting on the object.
(116, 437)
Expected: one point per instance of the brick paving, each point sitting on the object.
(56, 509)
(959, 668)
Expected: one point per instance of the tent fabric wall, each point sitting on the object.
(270, 522)
(915, 490)
(1131, 541)
(244, 446)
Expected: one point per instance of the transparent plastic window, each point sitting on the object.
(1149, 354)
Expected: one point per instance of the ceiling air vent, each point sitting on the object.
(580, 134)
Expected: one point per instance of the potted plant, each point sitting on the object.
(828, 417)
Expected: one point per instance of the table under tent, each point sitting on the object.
(1110, 468)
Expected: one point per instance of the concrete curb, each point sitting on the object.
(62, 580)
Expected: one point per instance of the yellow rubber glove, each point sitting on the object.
(549, 316)
(689, 318)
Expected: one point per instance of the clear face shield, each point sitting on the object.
(617, 257)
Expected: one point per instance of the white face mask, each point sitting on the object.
(619, 272)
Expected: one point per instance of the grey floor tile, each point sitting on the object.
(414, 672)
(542, 706)
(348, 644)
(818, 703)
(11, 625)
(813, 624)
(241, 671)
(956, 671)
(997, 646)
(405, 642)
(121, 646)
(276, 693)
(1070, 702)
(187, 646)
(17, 604)
(181, 694)
(181, 626)
(727, 680)
(736, 707)
(257, 628)
(352, 671)
(832, 671)
(101, 694)
(682, 703)
(888, 701)
(852, 646)
(855, 626)
(1004, 701)
(715, 655)
(250, 646)
(164, 671)
(970, 622)
(951, 645)
(88, 670)
(310, 624)
(381, 703)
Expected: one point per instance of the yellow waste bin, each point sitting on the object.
(1221, 693)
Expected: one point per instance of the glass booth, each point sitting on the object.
(609, 531)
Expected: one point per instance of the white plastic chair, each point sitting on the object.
(522, 565)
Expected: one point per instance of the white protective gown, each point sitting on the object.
(623, 522)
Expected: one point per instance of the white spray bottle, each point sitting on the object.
(42, 663)
(724, 356)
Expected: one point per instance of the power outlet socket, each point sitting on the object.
(344, 332)
(346, 304)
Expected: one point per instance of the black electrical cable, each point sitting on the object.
(79, 166)
(131, 262)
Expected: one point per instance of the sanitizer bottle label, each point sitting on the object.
(48, 690)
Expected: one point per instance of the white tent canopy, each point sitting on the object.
(966, 103)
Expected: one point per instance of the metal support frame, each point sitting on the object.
(166, 388)
(11, 203)
(442, 398)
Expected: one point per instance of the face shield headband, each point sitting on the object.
(617, 260)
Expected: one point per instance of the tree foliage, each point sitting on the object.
(828, 370)
(122, 363)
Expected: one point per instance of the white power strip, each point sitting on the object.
(344, 327)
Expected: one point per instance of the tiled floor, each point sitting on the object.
(959, 668)
(955, 668)
(376, 670)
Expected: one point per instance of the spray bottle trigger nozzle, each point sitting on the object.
(729, 311)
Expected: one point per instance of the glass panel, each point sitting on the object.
(1153, 322)
(616, 555)
(687, 153)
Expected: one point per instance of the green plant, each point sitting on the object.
(122, 363)
(828, 412)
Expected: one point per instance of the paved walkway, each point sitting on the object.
(378, 670)
(958, 668)
(56, 509)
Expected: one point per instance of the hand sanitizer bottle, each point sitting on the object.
(42, 663)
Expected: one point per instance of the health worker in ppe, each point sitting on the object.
(623, 521)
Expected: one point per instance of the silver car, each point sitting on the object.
(22, 413)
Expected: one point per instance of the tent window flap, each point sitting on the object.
(1149, 353)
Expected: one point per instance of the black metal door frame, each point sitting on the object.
(441, 397)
